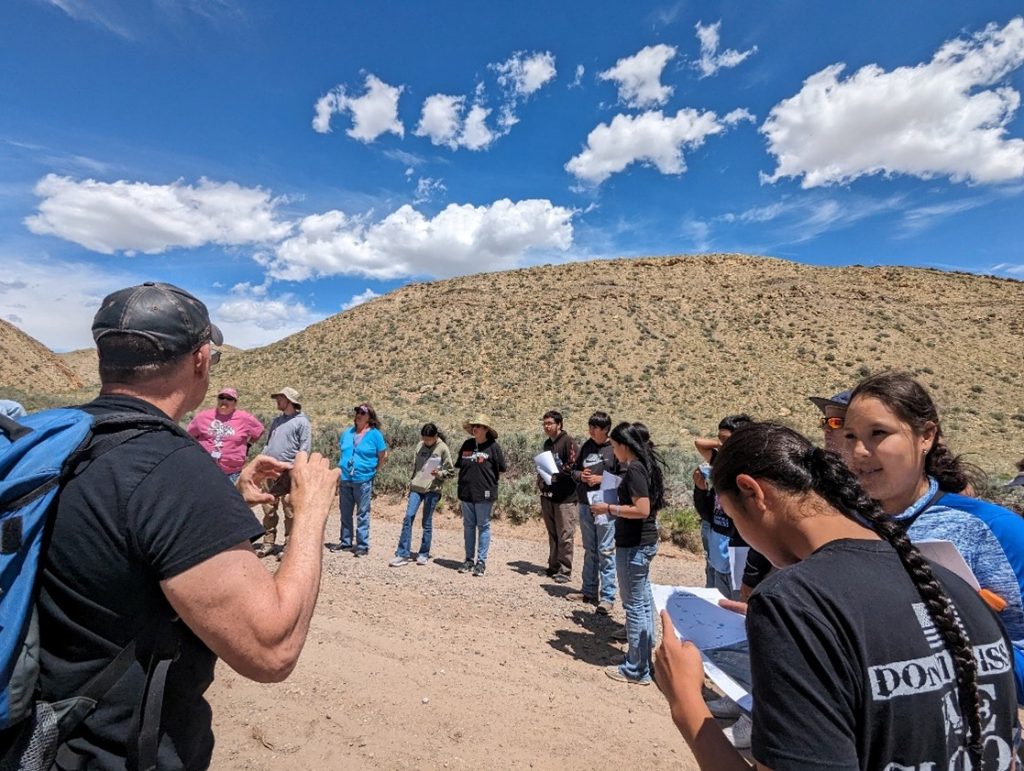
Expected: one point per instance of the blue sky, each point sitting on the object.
(284, 161)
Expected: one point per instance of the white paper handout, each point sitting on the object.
(546, 465)
(946, 554)
(697, 617)
(609, 493)
(426, 474)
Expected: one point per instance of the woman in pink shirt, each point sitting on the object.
(226, 432)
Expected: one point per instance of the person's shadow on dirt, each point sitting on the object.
(450, 564)
(590, 641)
(559, 590)
(524, 568)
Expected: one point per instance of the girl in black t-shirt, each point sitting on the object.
(641, 494)
(863, 654)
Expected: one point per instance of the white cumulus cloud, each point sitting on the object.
(523, 74)
(130, 217)
(443, 121)
(461, 239)
(651, 138)
(359, 299)
(711, 61)
(427, 188)
(251, 316)
(945, 117)
(639, 76)
(374, 113)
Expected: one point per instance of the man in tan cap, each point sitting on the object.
(290, 434)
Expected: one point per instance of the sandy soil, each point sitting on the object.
(421, 667)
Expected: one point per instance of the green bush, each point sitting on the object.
(682, 527)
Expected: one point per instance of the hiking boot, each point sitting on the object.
(265, 550)
(620, 634)
(336, 547)
(397, 562)
(604, 607)
(361, 552)
(616, 674)
(738, 733)
(422, 559)
(550, 572)
(480, 568)
(725, 708)
(561, 578)
(466, 566)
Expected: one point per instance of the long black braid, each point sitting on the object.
(786, 459)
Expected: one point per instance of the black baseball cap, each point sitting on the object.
(170, 319)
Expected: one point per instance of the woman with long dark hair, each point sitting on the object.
(893, 442)
(863, 654)
(425, 488)
(641, 495)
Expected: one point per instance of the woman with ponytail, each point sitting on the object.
(863, 654)
(893, 442)
(641, 495)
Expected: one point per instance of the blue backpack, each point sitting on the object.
(38, 455)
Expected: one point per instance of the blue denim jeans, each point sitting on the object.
(476, 518)
(709, 571)
(598, 557)
(634, 568)
(405, 539)
(351, 495)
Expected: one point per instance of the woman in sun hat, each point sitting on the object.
(480, 461)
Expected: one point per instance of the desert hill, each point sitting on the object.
(27, 366)
(676, 341)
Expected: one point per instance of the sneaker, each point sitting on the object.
(604, 607)
(586, 599)
(265, 550)
(422, 559)
(466, 566)
(725, 708)
(336, 547)
(616, 674)
(480, 568)
(550, 573)
(361, 552)
(738, 733)
(620, 634)
(561, 578)
(397, 562)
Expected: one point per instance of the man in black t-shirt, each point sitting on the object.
(558, 498)
(133, 546)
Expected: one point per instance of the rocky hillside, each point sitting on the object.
(677, 342)
(27, 366)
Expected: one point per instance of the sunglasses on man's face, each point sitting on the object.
(833, 424)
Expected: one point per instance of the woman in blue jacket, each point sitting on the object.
(363, 450)
(893, 442)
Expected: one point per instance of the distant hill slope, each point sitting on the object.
(676, 341)
(27, 366)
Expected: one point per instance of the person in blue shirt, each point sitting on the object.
(894, 444)
(363, 450)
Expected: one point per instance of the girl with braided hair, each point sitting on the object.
(893, 442)
(641, 495)
(863, 654)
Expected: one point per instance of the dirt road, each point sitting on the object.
(421, 667)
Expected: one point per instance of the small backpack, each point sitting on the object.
(38, 455)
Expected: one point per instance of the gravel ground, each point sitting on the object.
(422, 667)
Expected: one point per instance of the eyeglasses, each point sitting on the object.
(831, 423)
(214, 354)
